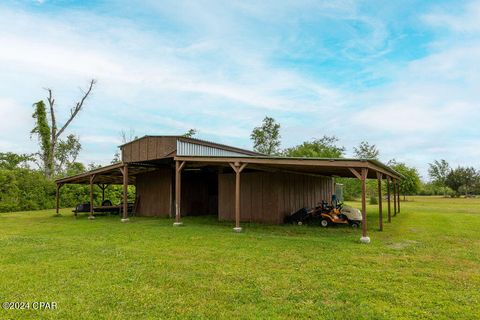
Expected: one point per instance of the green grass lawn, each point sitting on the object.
(425, 264)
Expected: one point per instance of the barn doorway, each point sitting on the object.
(199, 192)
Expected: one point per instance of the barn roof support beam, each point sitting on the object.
(57, 200)
(394, 197)
(102, 187)
(92, 180)
(380, 206)
(124, 171)
(398, 196)
(363, 178)
(389, 219)
(178, 191)
(238, 168)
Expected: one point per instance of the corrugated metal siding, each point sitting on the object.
(192, 149)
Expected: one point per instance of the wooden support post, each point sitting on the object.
(238, 168)
(388, 199)
(364, 238)
(92, 179)
(398, 197)
(57, 200)
(394, 197)
(363, 178)
(380, 208)
(125, 194)
(178, 191)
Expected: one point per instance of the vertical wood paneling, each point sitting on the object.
(291, 188)
(257, 198)
(135, 151)
(152, 148)
(143, 149)
(127, 153)
(246, 197)
(154, 190)
(268, 197)
(226, 198)
(148, 148)
(160, 147)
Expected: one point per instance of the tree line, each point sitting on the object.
(267, 140)
(444, 179)
(454, 181)
(27, 180)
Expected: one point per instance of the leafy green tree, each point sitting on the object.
(22, 188)
(266, 138)
(352, 188)
(49, 135)
(366, 151)
(42, 129)
(410, 182)
(190, 133)
(470, 179)
(432, 189)
(438, 172)
(36, 191)
(325, 147)
(9, 191)
(465, 178)
(67, 152)
(10, 160)
(455, 180)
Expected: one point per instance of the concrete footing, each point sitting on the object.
(365, 239)
(91, 217)
(237, 229)
(125, 220)
(177, 224)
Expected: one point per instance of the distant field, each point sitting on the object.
(425, 264)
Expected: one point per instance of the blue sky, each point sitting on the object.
(404, 75)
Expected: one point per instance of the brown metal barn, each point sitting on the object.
(177, 176)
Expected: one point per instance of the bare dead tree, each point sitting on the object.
(74, 111)
(54, 135)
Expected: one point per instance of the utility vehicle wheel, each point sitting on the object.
(355, 225)
(299, 223)
(324, 223)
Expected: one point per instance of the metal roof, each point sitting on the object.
(199, 142)
(340, 163)
(187, 148)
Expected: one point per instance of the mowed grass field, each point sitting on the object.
(425, 264)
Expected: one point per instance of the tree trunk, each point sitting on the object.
(53, 136)
(51, 160)
(49, 155)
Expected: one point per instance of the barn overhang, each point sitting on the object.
(362, 169)
(111, 174)
(319, 166)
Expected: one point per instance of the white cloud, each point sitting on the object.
(220, 81)
(15, 123)
(465, 21)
